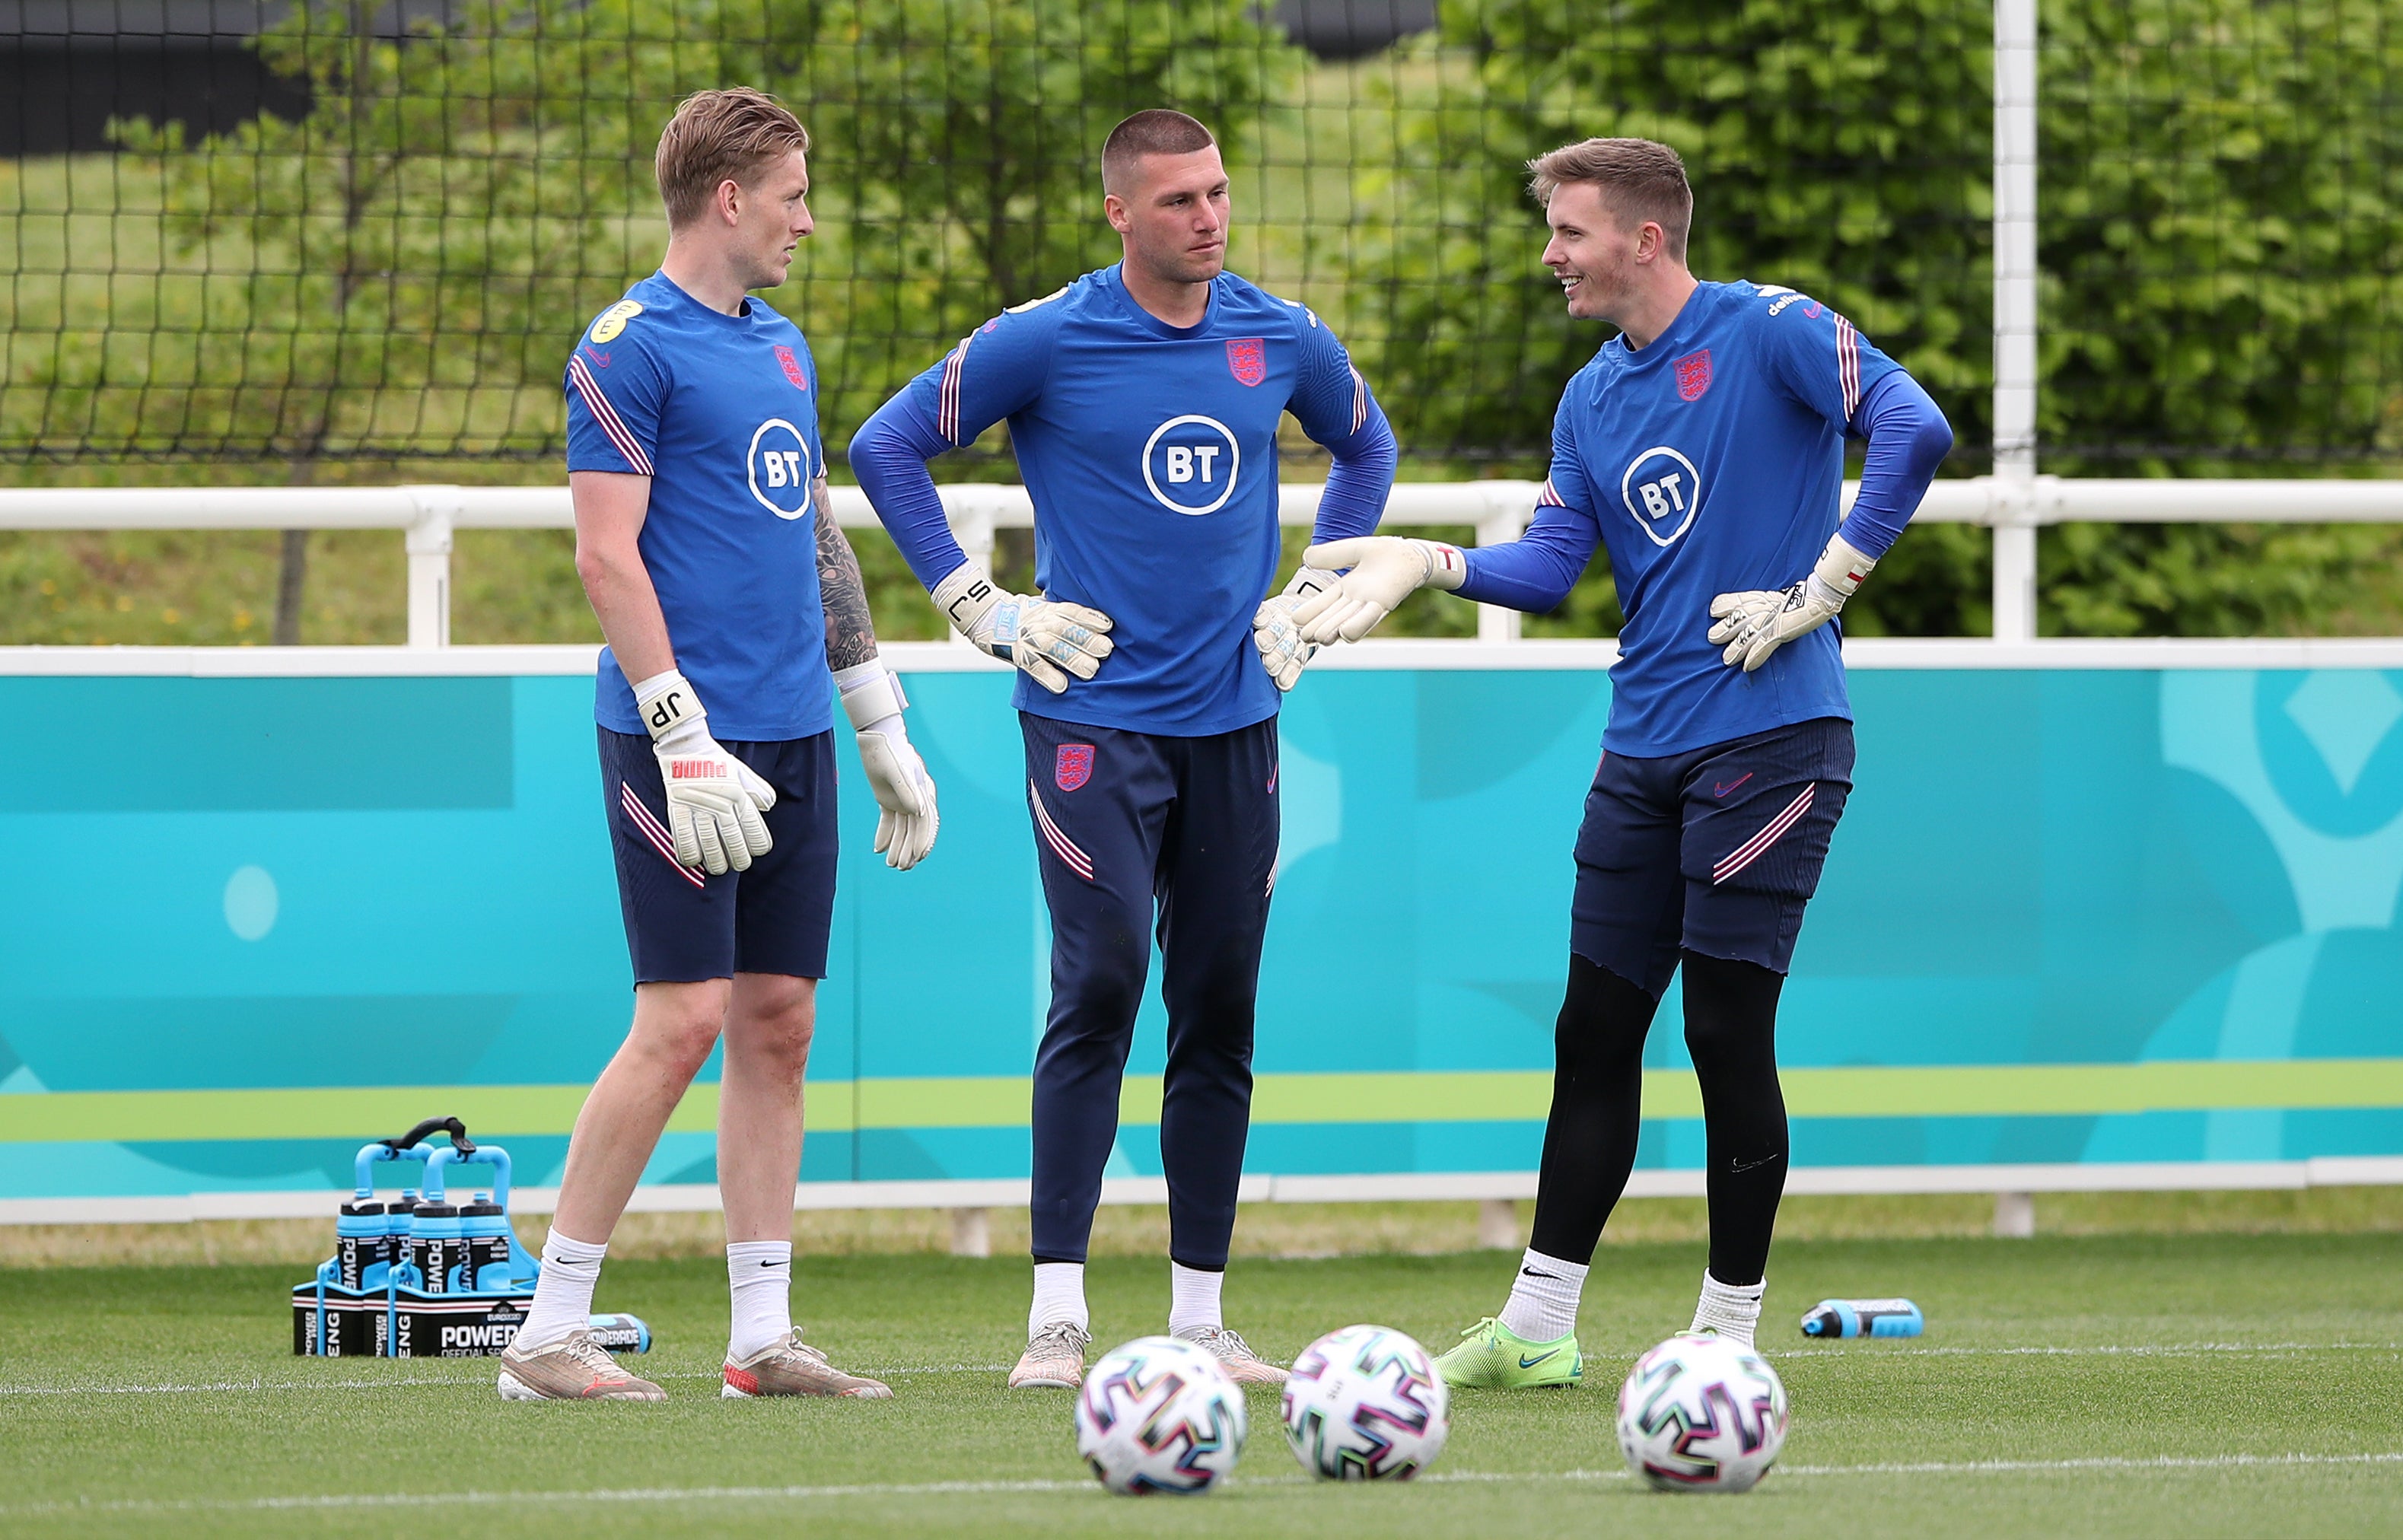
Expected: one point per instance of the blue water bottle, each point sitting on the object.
(485, 1226)
(397, 1216)
(1864, 1318)
(360, 1242)
(436, 1244)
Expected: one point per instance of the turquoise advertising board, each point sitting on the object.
(2079, 915)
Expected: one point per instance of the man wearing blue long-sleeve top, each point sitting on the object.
(1143, 402)
(1704, 445)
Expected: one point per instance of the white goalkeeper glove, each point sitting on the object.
(1754, 624)
(1048, 638)
(905, 792)
(1384, 571)
(1283, 651)
(715, 801)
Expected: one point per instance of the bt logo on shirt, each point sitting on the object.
(1664, 492)
(1191, 463)
(780, 469)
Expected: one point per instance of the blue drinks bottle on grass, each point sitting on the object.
(1864, 1318)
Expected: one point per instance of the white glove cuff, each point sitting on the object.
(1447, 568)
(870, 693)
(667, 705)
(966, 597)
(1840, 568)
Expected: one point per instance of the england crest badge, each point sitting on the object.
(1073, 766)
(1693, 375)
(1247, 358)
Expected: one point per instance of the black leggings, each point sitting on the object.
(1597, 1107)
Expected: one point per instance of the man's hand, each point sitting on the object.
(905, 792)
(1283, 651)
(715, 801)
(1048, 639)
(1754, 624)
(1384, 571)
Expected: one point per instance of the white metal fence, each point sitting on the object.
(2014, 506)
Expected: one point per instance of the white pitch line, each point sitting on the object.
(621, 1494)
(464, 1377)
(2167, 1350)
(2127, 1462)
(1880, 1352)
(221, 1386)
(939, 1488)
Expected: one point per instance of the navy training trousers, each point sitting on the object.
(1130, 828)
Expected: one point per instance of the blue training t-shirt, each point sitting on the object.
(720, 411)
(1709, 461)
(1150, 453)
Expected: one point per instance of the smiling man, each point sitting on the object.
(1143, 403)
(1704, 446)
(735, 615)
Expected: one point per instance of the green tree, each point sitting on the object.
(2213, 182)
(956, 167)
(405, 249)
(957, 152)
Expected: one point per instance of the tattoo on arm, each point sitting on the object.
(850, 633)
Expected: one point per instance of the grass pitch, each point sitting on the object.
(2187, 1386)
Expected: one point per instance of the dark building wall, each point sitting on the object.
(68, 66)
(58, 92)
(1347, 29)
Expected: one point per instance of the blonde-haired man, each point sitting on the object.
(709, 550)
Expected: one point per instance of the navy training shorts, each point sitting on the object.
(683, 925)
(1715, 851)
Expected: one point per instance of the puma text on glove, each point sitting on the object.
(713, 799)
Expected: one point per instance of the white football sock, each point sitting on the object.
(1543, 1305)
(563, 1296)
(1730, 1311)
(760, 1275)
(1193, 1299)
(1059, 1296)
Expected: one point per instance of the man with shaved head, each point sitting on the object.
(1143, 403)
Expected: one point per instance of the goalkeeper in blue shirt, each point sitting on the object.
(1704, 447)
(1143, 403)
(736, 621)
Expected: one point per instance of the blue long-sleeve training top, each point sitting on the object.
(1710, 461)
(1150, 453)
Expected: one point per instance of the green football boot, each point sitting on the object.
(1492, 1356)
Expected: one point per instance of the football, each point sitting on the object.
(1159, 1415)
(1365, 1404)
(1700, 1413)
